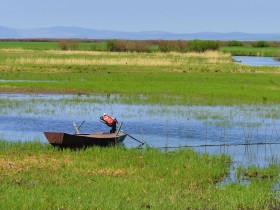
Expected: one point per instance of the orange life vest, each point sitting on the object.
(108, 120)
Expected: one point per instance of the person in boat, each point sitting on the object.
(110, 121)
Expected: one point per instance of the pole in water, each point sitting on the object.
(77, 128)
(119, 128)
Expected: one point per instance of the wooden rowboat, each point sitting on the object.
(65, 140)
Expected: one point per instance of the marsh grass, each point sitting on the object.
(53, 59)
(252, 51)
(103, 61)
(38, 176)
(119, 59)
(166, 78)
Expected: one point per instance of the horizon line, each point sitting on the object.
(140, 31)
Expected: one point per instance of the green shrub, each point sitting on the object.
(166, 46)
(127, 46)
(182, 45)
(260, 44)
(163, 45)
(138, 46)
(235, 43)
(68, 45)
(274, 44)
(202, 45)
(175, 46)
(111, 45)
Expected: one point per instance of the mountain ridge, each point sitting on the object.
(88, 33)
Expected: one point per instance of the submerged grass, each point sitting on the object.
(258, 173)
(34, 175)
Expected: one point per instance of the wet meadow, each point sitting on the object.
(211, 128)
(210, 78)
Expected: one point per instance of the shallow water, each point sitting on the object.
(24, 117)
(256, 61)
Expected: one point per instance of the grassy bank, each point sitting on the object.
(35, 176)
(166, 78)
(252, 51)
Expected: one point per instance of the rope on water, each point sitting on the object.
(221, 145)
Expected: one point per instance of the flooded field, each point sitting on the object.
(24, 117)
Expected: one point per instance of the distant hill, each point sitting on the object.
(76, 32)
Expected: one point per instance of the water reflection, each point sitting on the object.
(25, 117)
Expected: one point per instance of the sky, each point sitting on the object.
(177, 16)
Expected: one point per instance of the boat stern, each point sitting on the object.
(54, 138)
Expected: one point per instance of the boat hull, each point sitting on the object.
(65, 140)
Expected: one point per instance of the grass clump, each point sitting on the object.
(34, 175)
(270, 172)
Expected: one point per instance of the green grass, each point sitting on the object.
(50, 45)
(191, 88)
(165, 78)
(29, 45)
(252, 51)
(36, 176)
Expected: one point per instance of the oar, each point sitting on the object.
(134, 138)
(81, 125)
